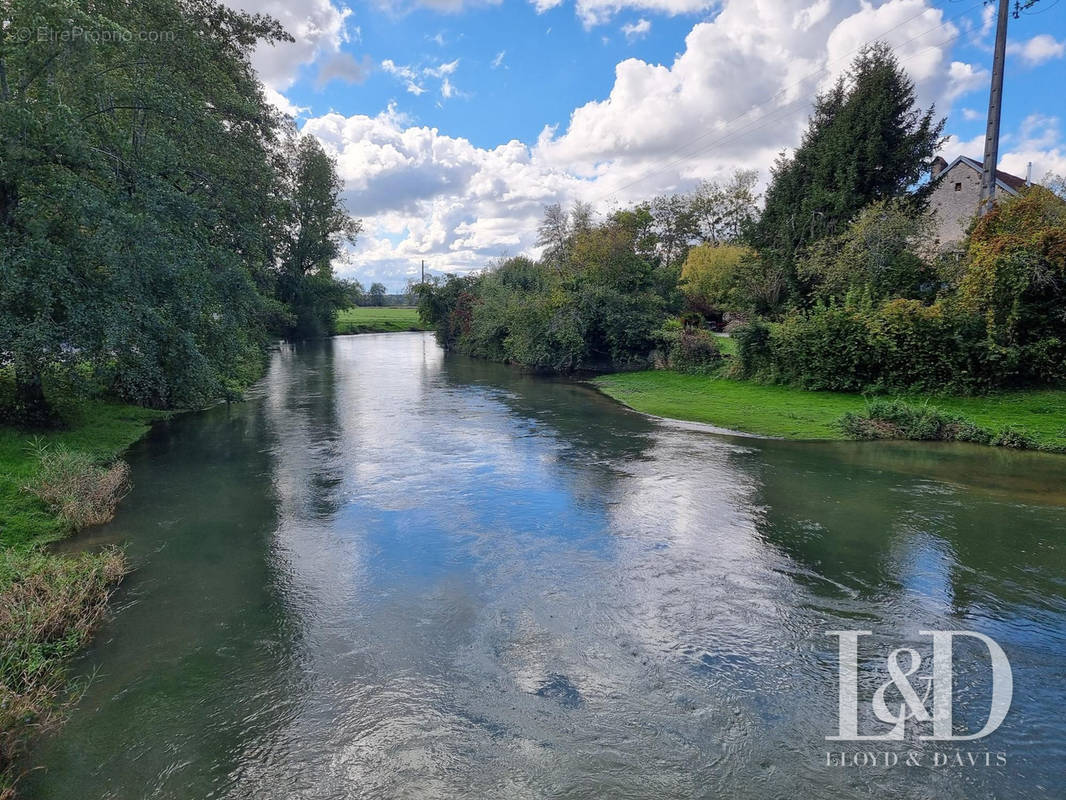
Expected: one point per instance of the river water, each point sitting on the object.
(396, 574)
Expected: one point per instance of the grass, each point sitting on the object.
(50, 485)
(373, 319)
(791, 413)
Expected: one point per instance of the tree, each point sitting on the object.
(709, 277)
(882, 250)
(674, 223)
(723, 214)
(136, 197)
(553, 234)
(866, 141)
(377, 294)
(317, 228)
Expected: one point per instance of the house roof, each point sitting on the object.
(1004, 180)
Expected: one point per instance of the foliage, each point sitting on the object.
(49, 607)
(377, 294)
(690, 349)
(315, 229)
(599, 308)
(859, 345)
(1016, 279)
(896, 419)
(711, 278)
(725, 214)
(880, 250)
(154, 221)
(865, 142)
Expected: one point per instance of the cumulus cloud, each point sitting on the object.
(636, 30)
(318, 26)
(1035, 51)
(738, 93)
(1038, 141)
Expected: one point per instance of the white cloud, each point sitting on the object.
(1038, 141)
(598, 12)
(344, 67)
(497, 62)
(738, 93)
(441, 70)
(318, 26)
(406, 74)
(970, 114)
(1035, 51)
(636, 30)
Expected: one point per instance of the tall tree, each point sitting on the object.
(866, 141)
(135, 190)
(318, 227)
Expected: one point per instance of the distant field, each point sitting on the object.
(373, 319)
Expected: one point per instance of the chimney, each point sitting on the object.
(938, 166)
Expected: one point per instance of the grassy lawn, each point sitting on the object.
(371, 319)
(792, 413)
(103, 430)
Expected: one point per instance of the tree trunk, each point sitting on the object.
(31, 407)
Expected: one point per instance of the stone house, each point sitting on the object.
(955, 200)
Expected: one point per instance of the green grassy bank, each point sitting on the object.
(50, 604)
(791, 413)
(372, 319)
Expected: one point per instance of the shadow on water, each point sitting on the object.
(394, 573)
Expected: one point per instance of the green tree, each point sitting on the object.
(136, 196)
(377, 294)
(318, 227)
(866, 141)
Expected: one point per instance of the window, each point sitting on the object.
(958, 187)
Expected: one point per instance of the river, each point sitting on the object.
(392, 573)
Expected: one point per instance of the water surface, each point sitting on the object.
(395, 574)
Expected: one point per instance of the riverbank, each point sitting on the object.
(378, 319)
(50, 604)
(792, 413)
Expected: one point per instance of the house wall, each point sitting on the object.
(954, 210)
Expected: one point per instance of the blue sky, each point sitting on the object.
(455, 121)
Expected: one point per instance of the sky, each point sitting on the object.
(454, 122)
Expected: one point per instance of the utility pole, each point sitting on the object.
(995, 102)
(995, 110)
(423, 270)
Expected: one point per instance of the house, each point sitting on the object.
(957, 196)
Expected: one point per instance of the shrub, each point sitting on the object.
(1016, 438)
(78, 489)
(694, 350)
(753, 349)
(895, 419)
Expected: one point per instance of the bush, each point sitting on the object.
(75, 487)
(896, 345)
(691, 350)
(895, 419)
(754, 357)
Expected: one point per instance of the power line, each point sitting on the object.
(801, 81)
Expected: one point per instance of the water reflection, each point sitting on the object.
(395, 574)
